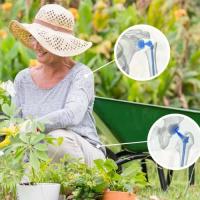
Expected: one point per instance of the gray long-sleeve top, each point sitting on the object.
(67, 105)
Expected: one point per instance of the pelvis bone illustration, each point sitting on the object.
(171, 128)
(130, 43)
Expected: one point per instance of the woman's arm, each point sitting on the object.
(80, 94)
(16, 99)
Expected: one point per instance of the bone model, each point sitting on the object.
(150, 55)
(130, 43)
(171, 129)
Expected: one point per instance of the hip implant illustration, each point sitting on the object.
(185, 138)
(133, 41)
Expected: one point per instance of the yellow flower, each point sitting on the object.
(74, 12)
(3, 34)
(7, 6)
(5, 142)
(100, 5)
(33, 62)
(180, 13)
(100, 20)
(10, 131)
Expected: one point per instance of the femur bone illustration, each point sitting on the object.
(165, 133)
(128, 46)
(184, 140)
(183, 148)
(130, 43)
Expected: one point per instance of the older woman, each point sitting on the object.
(59, 90)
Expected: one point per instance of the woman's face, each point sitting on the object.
(43, 55)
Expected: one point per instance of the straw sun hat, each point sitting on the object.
(53, 29)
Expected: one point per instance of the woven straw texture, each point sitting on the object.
(55, 33)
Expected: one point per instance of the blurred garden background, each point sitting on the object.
(101, 22)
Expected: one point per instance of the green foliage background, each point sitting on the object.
(102, 22)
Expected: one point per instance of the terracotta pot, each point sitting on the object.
(115, 195)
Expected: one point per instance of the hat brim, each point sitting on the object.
(59, 43)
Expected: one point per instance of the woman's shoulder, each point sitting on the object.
(22, 75)
(82, 69)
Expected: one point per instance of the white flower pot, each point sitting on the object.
(40, 191)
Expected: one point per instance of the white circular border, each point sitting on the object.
(115, 49)
(150, 133)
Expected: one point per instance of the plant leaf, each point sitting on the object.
(37, 138)
(59, 140)
(41, 147)
(34, 162)
(42, 155)
(24, 138)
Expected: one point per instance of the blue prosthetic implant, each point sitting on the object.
(127, 47)
(187, 141)
(186, 148)
(151, 55)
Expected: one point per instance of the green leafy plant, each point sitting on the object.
(90, 182)
(130, 178)
(79, 181)
(24, 142)
(11, 172)
(6, 91)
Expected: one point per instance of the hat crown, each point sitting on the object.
(56, 15)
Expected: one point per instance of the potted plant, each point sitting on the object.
(100, 181)
(120, 186)
(36, 153)
(25, 150)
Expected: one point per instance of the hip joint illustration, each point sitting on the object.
(132, 42)
(185, 139)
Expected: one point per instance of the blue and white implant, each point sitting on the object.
(151, 55)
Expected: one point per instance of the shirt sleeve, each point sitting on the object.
(80, 95)
(16, 98)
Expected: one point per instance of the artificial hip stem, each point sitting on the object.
(151, 55)
(185, 140)
(153, 66)
(171, 128)
(188, 146)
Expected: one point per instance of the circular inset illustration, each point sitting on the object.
(174, 141)
(142, 52)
